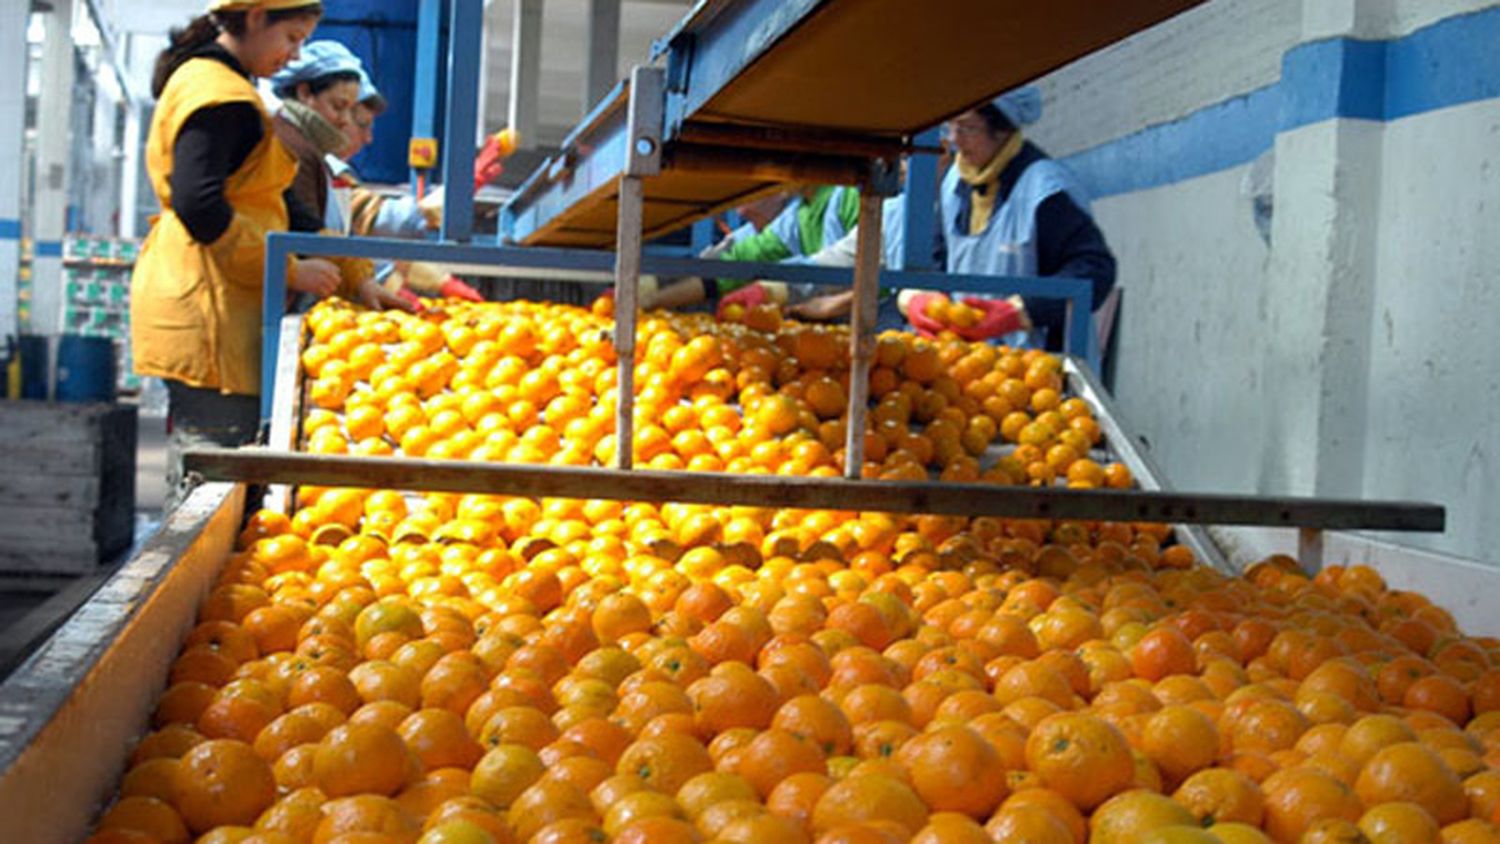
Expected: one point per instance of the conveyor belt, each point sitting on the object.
(749, 81)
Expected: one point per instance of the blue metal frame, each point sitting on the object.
(424, 89)
(1078, 292)
(716, 41)
(465, 31)
(921, 182)
(723, 47)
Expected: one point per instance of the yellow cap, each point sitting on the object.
(268, 5)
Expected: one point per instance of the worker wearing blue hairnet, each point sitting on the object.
(318, 92)
(1007, 209)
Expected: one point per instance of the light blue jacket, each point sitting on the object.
(1007, 246)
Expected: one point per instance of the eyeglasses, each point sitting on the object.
(955, 130)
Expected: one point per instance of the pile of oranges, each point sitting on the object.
(522, 382)
(382, 668)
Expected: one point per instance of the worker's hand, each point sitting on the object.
(823, 308)
(431, 207)
(452, 288)
(999, 317)
(914, 304)
(412, 299)
(314, 276)
(746, 297)
(377, 298)
(489, 161)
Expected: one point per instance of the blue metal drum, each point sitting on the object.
(85, 369)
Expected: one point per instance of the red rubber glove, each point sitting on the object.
(1001, 316)
(412, 299)
(916, 314)
(455, 289)
(489, 162)
(747, 297)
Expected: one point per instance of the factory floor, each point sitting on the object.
(31, 608)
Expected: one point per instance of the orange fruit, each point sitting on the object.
(1297, 797)
(1131, 815)
(1080, 756)
(1215, 795)
(863, 799)
(1180, 740)
(147, 817)
(222, 782)
(665, 762)
(1412, 772)
(362, 758)
(954, 769)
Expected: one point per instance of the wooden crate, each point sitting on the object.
(67, 485)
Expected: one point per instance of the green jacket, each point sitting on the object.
(799, 231)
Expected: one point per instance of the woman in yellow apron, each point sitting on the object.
(220, 174)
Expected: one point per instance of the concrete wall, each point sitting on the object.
(1434, 393)
(1193, 295)
(1346, 347)
(1211, 52)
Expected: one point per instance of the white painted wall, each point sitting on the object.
(1188, 377)
(1434, 405)
(1356, 355)
(1202, 56)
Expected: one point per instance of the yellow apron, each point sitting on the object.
(195, 309)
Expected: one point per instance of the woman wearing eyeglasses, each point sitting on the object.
(1008, 209)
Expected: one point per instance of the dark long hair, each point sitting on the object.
(203, 29)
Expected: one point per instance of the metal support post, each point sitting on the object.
(273, 308)
(1310, 550)
(627, 290)
(50, 202)
(525, 68)
(12, 120)
(425, 82)
(862, 327)
(921, 194)
(1080, 340)
(601, 50)
(465, 31)
(130, 170)
(642, 158)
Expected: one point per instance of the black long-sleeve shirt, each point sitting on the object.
(1068, 243)
(211, 145)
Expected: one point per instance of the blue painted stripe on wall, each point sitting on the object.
(48, 249)
(1449, 63)
(10, 229)
(1454, 61)
(1215, 138)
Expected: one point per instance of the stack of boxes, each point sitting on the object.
(96, 279)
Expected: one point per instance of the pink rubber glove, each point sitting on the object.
(412, 299)
(916, 314)
(747, 297)
(1001, 316)
(455, 289)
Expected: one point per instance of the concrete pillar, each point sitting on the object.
(12, 118)
(130, 171)
(1320, 287)
(601, 50)
(50, 203)
(525, 69)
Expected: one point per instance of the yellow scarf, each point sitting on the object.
(982, 202)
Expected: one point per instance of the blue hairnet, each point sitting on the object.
(318, 59)
(368, 93)
(1022, 107)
